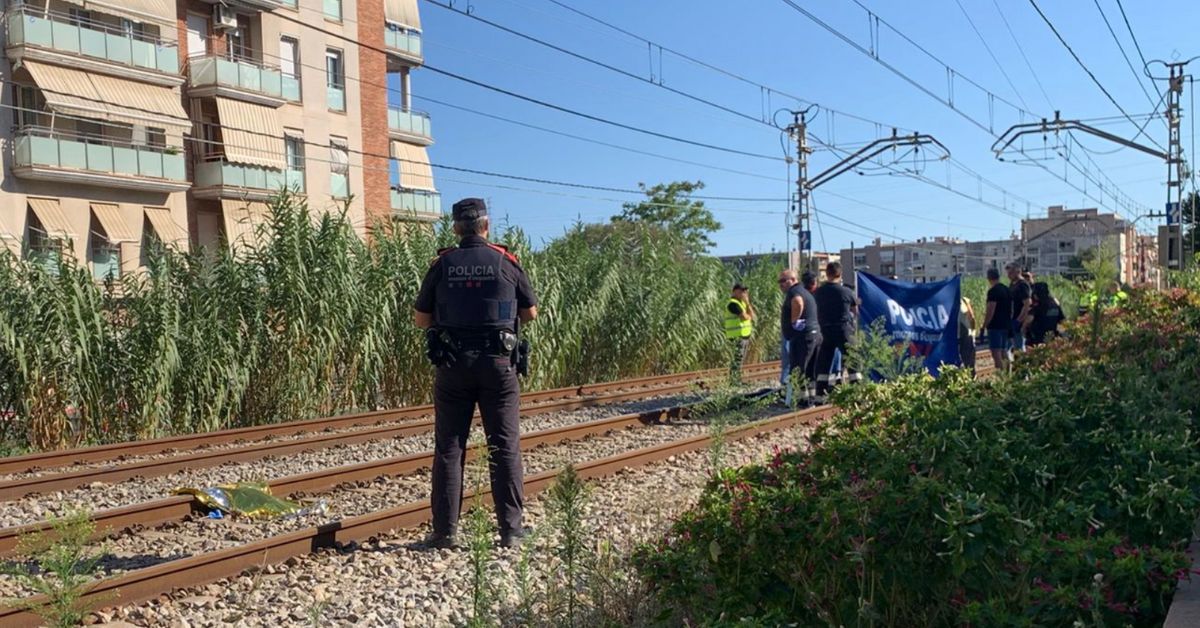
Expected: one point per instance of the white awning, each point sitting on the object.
(242, 221)
(161, 11)
(116, 229)
(252, 133)
(164, 226)
(50, 214)
(415, 171)
(403, 12)
(90, 95)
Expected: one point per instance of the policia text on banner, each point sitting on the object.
(472, 301)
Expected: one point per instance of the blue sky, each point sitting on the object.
(770, 43)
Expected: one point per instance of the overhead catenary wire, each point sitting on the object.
(949, 103)
(991, 54)
(1021, 49)
(1137, 76)
(826, 144)
(1086, 69)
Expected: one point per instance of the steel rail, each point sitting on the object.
(115, 451)
(150, 582)
(158, 512)
(157, 467)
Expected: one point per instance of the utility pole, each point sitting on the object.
(798, 130)
(1175, 163)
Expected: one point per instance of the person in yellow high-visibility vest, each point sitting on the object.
(739, 325)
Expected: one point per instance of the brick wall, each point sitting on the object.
(372, 64)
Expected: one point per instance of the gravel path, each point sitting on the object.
(99, 496)
(395, 582)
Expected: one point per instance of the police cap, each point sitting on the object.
(469, 209)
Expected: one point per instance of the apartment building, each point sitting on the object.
(177, 120)
(932, 259)
(1055, 244)
(1050, 245)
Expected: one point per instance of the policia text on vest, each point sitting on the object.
(472, 302)
(739, 325)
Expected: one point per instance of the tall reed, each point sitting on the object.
(315, 320)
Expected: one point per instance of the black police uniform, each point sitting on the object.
(835, 312)
(475, 291)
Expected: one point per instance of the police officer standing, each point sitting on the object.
(472, 300)
(837, 307)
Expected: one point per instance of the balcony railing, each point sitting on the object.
(415, 123)
(44, 148)
(408, 203)
(403, 40)
(335, 97)
(291, 87)
(239, 73)
(221, 173)
(63, 33)
(339, 185)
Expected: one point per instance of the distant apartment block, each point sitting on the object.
(176, 120)
(1055, 244)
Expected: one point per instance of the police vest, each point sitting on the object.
(735, 327)
(474, 292)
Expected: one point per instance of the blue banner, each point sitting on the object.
(923, 314)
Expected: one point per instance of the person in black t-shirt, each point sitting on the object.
(1044, 317)
(997, 323)
(1021, 292)
(837, 307)
(798, 320)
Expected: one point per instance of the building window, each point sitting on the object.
(43, 251)
(106, 258)
(333, 10)
(339, 168)
(335, 79)
(289, 65)
(30, 103)
(294, 147)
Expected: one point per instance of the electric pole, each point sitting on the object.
(798, 131)
(1175, 163)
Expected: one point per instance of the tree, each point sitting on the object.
(669, 206)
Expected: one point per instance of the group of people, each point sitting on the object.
(1019, 315)
(817, 325)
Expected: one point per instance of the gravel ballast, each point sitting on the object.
(397, 582)
(100, 496)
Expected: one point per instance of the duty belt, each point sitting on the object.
(497, 342)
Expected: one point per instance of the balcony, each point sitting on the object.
(416, 205)
(243, 79)
(221, 179)
(409, 126)
(60, 39)
(404, 44)
(47, 155)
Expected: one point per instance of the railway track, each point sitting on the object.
(541, 403)
(532, 402)
(150, 582)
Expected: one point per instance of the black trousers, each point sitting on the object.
(833, 340)
(490, 381)
(802, 359)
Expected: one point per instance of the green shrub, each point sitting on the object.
(1063, 493)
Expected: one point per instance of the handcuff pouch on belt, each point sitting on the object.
(439, 347)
